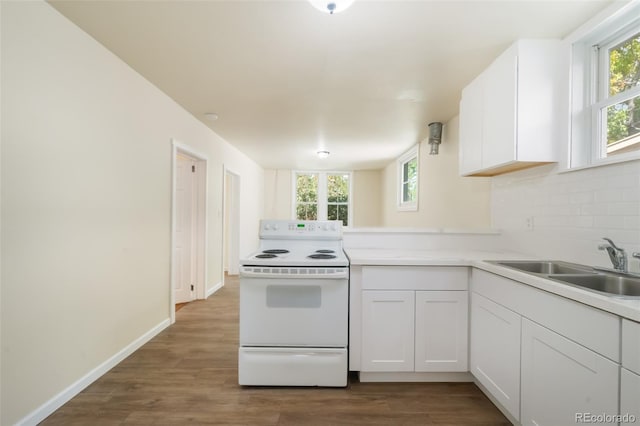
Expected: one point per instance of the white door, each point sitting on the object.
(387, 330)
(562, 380)
(495, 351)
(185, 253)
(441, 331)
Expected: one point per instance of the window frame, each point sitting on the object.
(405, 158)
(322, 193)
(589, 49)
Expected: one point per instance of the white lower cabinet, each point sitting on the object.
(562, 381)
(414, 331)
(495, 351)
(630, 372)
(441, 331)
(387, 331)
(629, 395)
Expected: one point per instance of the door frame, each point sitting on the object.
(201, 243)
(231, 215)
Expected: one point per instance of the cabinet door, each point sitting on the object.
(471, 116)
(561, 380)
(441, 331)
(495, 351)
(629, 394)
(387, 330)
(500, 100)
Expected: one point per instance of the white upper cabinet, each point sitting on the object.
(513, 115)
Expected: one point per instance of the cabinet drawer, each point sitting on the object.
(597, 330)
(415, 278)
(631, 345)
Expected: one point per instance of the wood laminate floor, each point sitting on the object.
(187, 375)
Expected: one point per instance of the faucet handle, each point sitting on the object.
(611, 243)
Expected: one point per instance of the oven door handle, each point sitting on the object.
(294, 272)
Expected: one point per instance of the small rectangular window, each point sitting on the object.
(408, 180)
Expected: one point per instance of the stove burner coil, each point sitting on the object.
(266, 256)
(275, 251)
(325, 251)
(321, 256)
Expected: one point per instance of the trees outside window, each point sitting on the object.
(622, 118)
(323, 196)
(408, 180)
(605, 89)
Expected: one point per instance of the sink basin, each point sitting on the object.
(545, 267)
(615, 284)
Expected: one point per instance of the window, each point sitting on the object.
(408, 180)
(307, 196)
(322, 196)
(619, 105)
(606, 86)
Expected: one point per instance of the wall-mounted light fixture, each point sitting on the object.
(435, 137)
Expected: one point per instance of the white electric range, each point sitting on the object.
(294, 306)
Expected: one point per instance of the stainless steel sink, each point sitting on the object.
(599, 280)
(611, 283)
(546, 267)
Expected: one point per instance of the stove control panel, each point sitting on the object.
(301, 229)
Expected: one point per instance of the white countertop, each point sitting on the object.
(627, 308)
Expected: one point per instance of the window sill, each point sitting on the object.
(601, 163)
(408, 208)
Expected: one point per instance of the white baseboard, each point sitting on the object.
(213, 289)
(66, 395)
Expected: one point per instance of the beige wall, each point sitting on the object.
(86, 199)
(277, 194)
(366, 196)
(445, 199)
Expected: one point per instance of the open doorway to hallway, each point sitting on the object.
(231, 225)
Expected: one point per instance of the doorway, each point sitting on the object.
(188, 226)
(231, 228)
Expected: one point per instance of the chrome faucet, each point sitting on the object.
(617, 255)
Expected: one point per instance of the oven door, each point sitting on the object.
(294, 306)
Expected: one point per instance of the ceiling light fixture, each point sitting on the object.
(211, 116)
(331, 6)
(435, 137)
(322, 154)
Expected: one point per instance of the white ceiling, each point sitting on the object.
(287, 80)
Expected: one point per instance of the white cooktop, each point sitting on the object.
(320, 239)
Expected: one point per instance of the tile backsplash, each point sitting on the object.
(565, 215)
